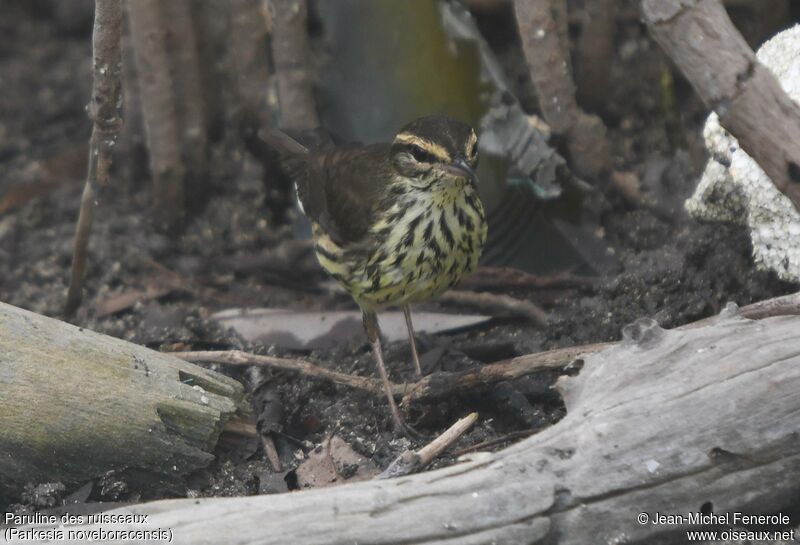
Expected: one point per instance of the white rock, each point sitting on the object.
(735, 189)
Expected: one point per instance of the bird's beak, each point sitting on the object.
(461, 169)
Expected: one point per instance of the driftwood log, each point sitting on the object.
(75, 404)
(665, 421)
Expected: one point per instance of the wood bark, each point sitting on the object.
(665, 421)
(700, 38)
(104, 110)
(76, 404)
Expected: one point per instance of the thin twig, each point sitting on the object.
(494, 302)
(410, 461)
(430, 387)
(238, 357)
(104, 111)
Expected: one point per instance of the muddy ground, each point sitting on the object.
(670, 268)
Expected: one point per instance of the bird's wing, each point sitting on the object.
(354, 181)
(340, 187)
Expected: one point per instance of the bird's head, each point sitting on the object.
(435, 149)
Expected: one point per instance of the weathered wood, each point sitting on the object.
(75, 404)
(666, 421)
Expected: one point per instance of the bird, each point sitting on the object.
(394, 223)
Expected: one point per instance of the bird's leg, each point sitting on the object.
(374, 335)
(414, 354)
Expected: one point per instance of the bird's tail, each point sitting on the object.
(284, 144)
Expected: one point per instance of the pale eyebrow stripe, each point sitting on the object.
(427, 145)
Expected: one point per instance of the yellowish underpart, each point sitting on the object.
(422, 245)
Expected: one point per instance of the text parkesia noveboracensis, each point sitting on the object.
(394, 223)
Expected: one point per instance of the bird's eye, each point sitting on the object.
(421, 155)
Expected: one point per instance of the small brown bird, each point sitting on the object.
(394, 223)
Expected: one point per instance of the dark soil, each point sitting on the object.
(676, 271)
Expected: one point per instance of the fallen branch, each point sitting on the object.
(431, 387)
(700, 38)
(104, 111)
(631, 442)
(411, 462)
(102, 404)
(238, 357)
